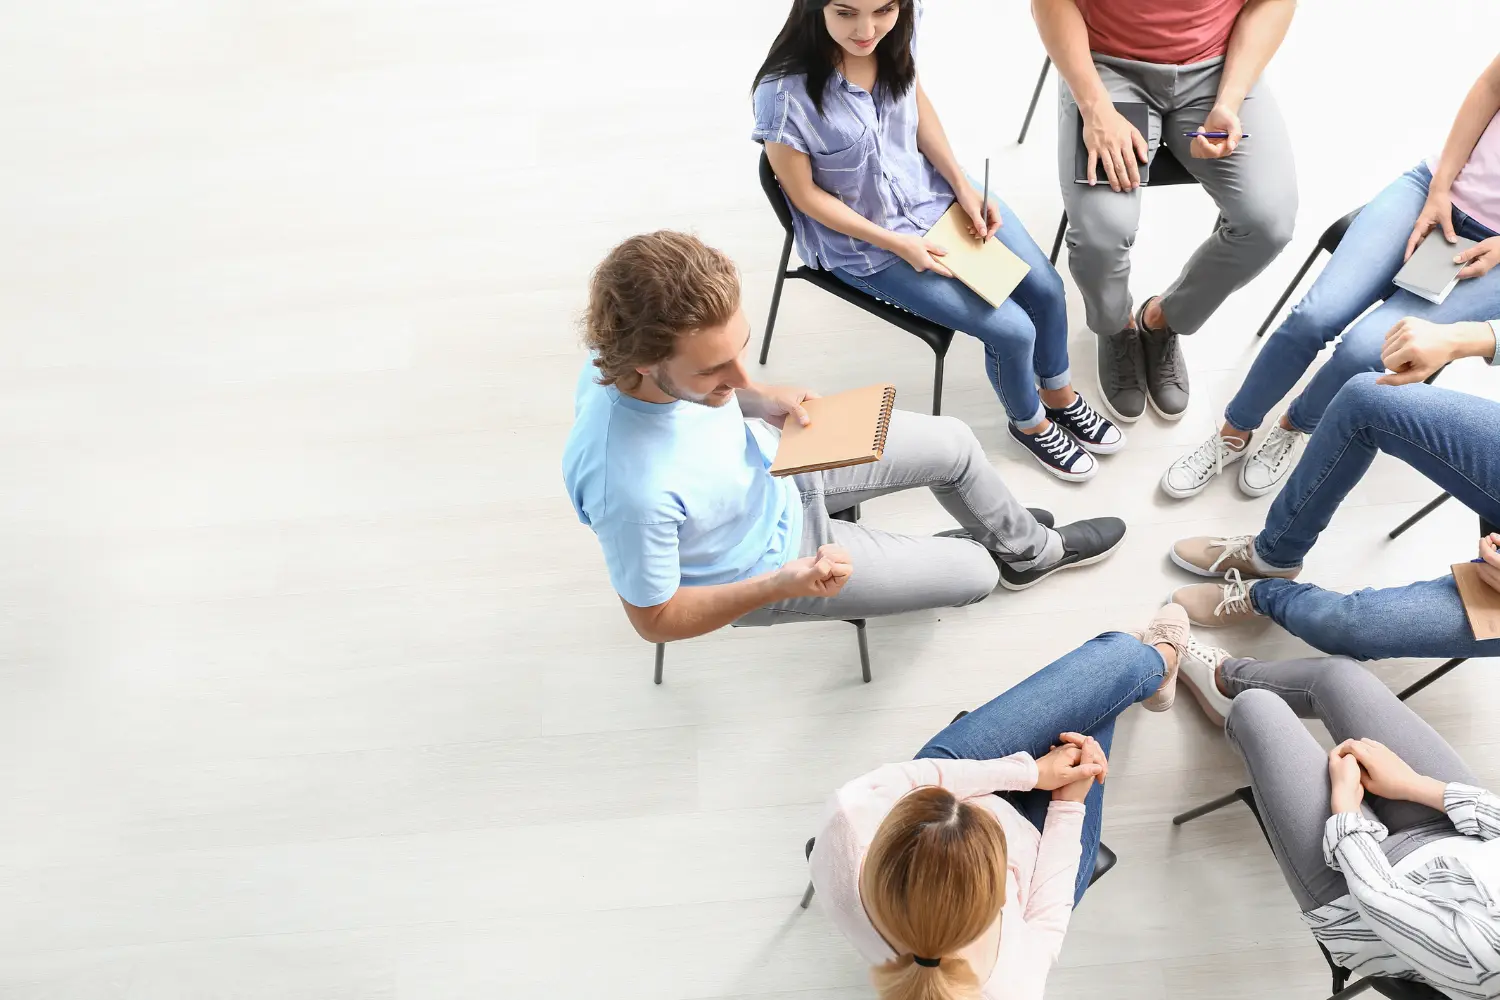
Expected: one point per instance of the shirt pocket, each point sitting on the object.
(849, 174)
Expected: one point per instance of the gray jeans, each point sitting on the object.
(1289, 768)
(895, 573)
(1255, 190)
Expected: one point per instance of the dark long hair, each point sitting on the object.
(805, 46)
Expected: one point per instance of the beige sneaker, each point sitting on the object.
(1210, 556)
(1171, 627)
(1215, 605)
(1200, 669)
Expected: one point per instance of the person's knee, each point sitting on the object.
(1361, 395)
(1340, 677)
(970, 577)
(1263, 224)
(1101, 226)
(1254, 711)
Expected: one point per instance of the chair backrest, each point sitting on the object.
(772, 187)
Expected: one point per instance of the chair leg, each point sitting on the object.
(1062, 227)
(1205, 808)
(1432, 677)
(864, 647)
(1353, 991)
(1276, 309)
(1434, 505)
(661, 655)
(1036, 95)
(937, 386)
(786, 255)
(807, 896)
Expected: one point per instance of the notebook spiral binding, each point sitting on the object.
(883, 425)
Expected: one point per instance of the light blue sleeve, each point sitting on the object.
(916, 23)
(642, 560)
(777, 115)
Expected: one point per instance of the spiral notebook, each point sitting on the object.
(846, 429)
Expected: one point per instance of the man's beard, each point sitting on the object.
(669, 387)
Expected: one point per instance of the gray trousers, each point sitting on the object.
(895, 573)
(1289, 768)
(1255, 189)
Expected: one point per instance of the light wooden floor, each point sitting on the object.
(311, 685)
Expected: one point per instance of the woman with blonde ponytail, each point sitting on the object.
(954, 874)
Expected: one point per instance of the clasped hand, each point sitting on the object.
(1071, 767)
(1358, 766)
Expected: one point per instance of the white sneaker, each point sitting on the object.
(1192, 472)
(1198, 669)
(1264, 470)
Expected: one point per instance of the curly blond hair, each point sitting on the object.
(650, 290)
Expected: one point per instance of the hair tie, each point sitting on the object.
(926, 963)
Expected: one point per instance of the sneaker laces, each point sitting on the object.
(1056, 443)
(1207, 458)
(1234, 596)
(1278, 444)
(1085, 418)
(1168, 360)
(1238, 547)
(1124, 360)
(1204, 653)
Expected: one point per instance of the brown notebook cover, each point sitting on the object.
(1482, 603)
(847, 429)
(989, 268)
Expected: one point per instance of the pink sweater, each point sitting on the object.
(1042, 866)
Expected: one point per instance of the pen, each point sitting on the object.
(984, 203)
(1212, 135)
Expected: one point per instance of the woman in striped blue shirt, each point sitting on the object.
(1404, 881)
(867, 168)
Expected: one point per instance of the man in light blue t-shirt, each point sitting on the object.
(668, 460)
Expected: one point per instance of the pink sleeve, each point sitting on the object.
(1050, 901)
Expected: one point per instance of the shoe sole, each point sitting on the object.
(1067, 477)
(1100, 449)
(1172, 417)
(1060, 569)
(1200, 698)
(1109, 407)
(1195, 570)
(1251, 491)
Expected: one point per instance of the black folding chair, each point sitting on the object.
(1036, 94)
(1386, 986)
(1329, 241)
(1104, 860)
(851, 515)
(1166, 171)
(937, 338)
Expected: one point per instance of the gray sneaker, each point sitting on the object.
(1166, 369)
(1122, 376)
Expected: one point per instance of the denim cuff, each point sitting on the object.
(1260, 550)
(1057, 381)
(1035, 421)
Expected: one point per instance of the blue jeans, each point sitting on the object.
(1420, 619)
(1025, 338)
(1452, 438)
(1083, 692)
(1358, 276)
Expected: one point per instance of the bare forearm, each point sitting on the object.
(1473, 340)
(932, 142)
(695, 611)
(1429, 792)
(1066, 39)
(816, 203)
(1257, 35)
(1473, 117)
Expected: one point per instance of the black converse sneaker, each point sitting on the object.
(1092, 429)
(1059, 452)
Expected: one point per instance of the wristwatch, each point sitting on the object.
(1495, 329)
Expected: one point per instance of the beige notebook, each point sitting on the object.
(989, 268)
(1482, 603)
(846, 429)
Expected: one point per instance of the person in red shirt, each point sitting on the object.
(1196, 65)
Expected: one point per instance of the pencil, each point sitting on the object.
(984, 204)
